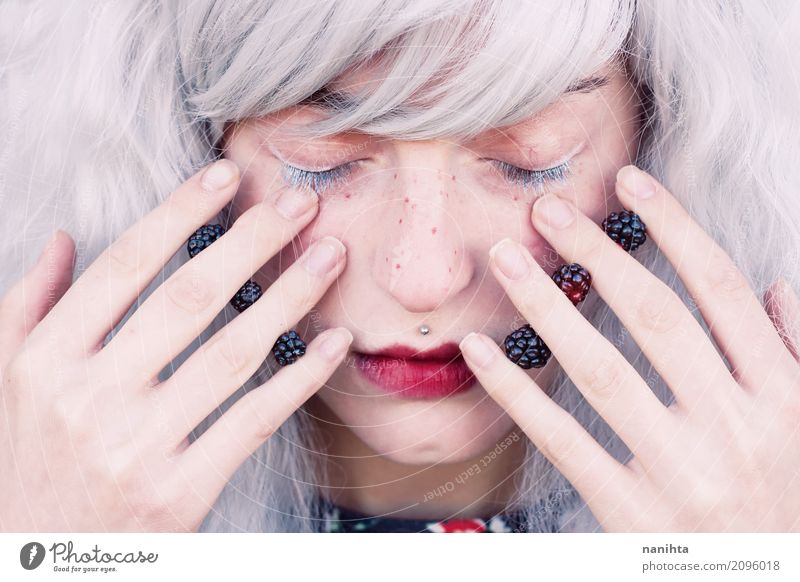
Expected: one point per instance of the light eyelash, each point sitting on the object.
(325, 179)
(316, 181)
(534, 178)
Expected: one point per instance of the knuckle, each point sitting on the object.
(657, 310)
(190, 291)
(556, 448)
(724, 280)
(71, 416)
(124, 254)
(262, 426)
(604, 379)
(233, 357)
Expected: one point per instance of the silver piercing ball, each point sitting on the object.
(424, 329)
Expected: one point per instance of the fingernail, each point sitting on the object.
(324, 255)
(554, 211)
(336, 342)
(508, 256)
(294, 203)
(637, 182)
(219, 175)
(475, 348)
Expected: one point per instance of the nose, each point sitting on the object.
(424, 262)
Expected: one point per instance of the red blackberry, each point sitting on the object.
(246, 296)
(288, 348)
(526, 349)
(574, 281)
(626, 229)
(203, 237)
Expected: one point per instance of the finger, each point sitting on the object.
(213, 372)
(180, 309)
(609, 383)
(670, 337)
(212, 459)
(734, 314)
(102, 295)
(783, 308)
(555, 433)
(32, 297)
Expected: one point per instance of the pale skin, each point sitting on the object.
(93, 442)
(724, 456)
(88, 440)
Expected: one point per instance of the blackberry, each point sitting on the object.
(203, 237)
(626, 229)
(246, 295)
(288, 348)
(574, 281)
(526, 349)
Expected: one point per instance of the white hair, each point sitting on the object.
(108, 106)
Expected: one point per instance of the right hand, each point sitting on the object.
(89, 439)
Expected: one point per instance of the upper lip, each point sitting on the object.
(446, 351)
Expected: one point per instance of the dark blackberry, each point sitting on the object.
(526, 349)
(203, 237)
(246, 296)
(574, 281)
(626, 229)
(288, 348)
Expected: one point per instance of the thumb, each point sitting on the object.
(33, 296)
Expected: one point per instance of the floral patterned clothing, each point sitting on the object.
(338, 519)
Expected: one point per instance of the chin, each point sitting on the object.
(454, 429)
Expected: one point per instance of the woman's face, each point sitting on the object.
(418, 219)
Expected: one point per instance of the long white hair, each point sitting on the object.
(106, 107)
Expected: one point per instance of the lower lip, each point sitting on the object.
(410, 378)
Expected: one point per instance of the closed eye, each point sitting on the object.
(533, 178)
(322, 180)
(316, 181)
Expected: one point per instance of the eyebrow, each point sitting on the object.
(335, 100)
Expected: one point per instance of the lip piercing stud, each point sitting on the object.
(424, 329)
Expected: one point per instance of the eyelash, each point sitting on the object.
(533, 178)
(322, 180)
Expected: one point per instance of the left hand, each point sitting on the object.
(725, 456)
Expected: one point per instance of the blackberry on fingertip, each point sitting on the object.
(247, 294)
(288, 348)
(526, 349)
(574, 280)
(626, 229)
(203, 237)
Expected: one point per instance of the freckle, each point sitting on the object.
(387, 259)
(395, 176)
(405, 199)
(347, 195)
(449, 269)
(400, 221)
(455, 252)
(433, 230)
(454, 176)
(397, 265)
(516, 198)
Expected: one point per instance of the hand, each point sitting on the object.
(89, 440)
(725, 456)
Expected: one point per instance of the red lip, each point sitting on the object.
(406, 372)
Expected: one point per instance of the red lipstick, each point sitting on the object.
(406, 372)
